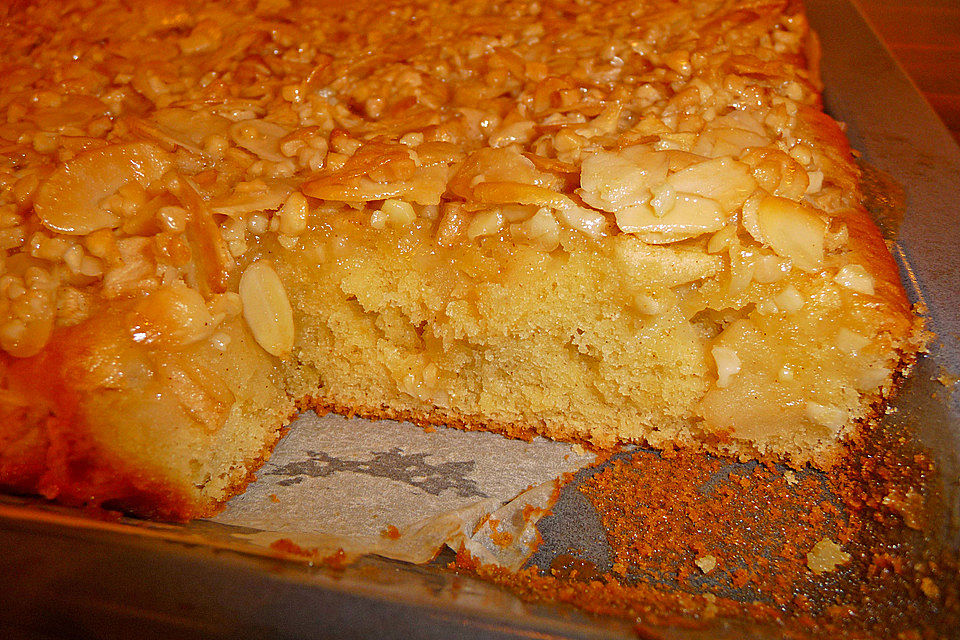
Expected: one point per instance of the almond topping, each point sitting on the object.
(260, 137)
(856, 278)
(826, 555)
(69, 202)
(397, 213)
(689, 217)
(293, 215)
(174, 316)
(727, 182)
(792, 231)
(266, 308)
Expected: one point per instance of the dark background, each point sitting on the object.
(924, 36)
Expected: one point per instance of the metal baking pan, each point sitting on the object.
(64, 578)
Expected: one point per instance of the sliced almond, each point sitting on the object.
(790, 300)
(398, 213)
(485, 223)
(612, 181)
(174, 316)
(78, 111)
(739, 119)
(582, 219)
(183, 127)
(293, 215)
(69, 201)
(260, 137)
(778, 173)
(856, 278)
(540, 230)
(424, 189)
(728, 364)
(494, 165)
(728, 182)
(211, 255)
(504, 192)
(850, 342)
(248, 197)
(573, 215)
(267, 309)
(792, 231)
(719, 142)
(690, 216)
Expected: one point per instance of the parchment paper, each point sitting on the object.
(403, 492)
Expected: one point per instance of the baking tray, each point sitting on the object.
(68, 577)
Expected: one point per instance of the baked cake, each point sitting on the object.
(592, 220)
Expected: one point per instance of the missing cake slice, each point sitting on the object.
(604, 222)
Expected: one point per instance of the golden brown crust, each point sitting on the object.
(866, 243)
(828, 136)
(428, 419)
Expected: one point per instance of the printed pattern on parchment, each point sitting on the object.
(408, 468)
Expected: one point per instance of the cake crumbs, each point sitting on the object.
(337, 560)
(664, 512)
(502, 539)
(946, 378)
(826, 556)
(908, 504)
(706, 563)
(696, 537)
(390, 533)
(289, 547)
(530, 513)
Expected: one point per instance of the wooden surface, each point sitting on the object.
(924, 35)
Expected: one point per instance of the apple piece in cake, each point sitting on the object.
(594, 221)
